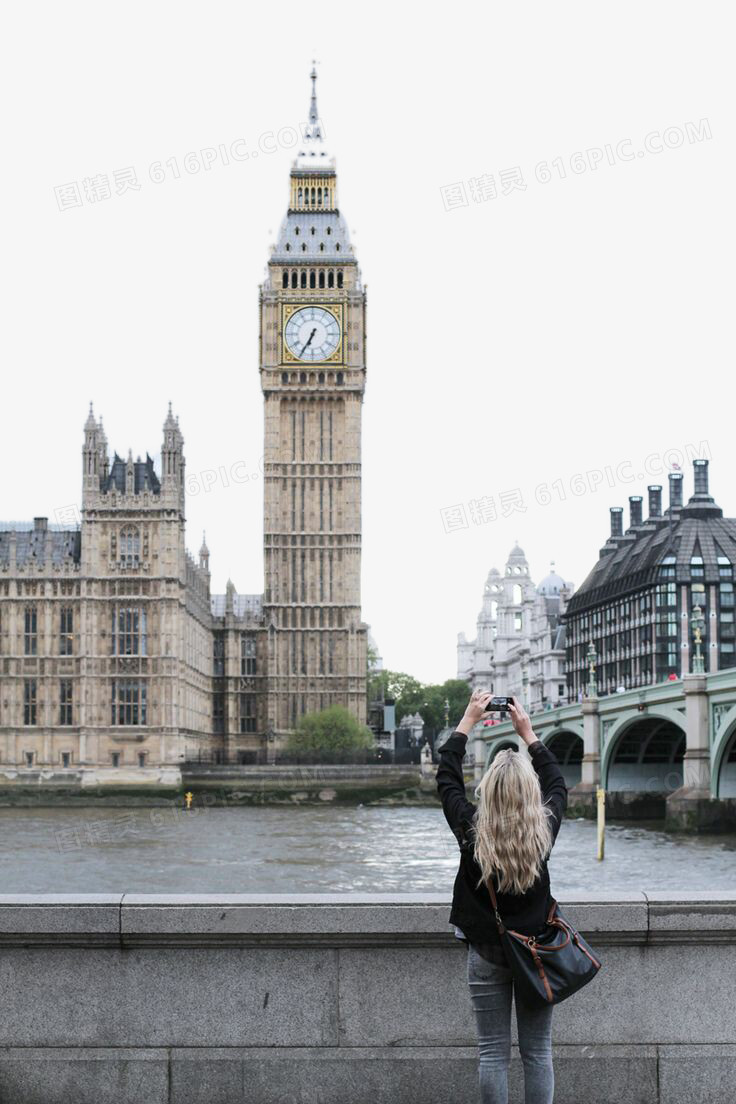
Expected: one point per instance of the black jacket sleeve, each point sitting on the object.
(459, 812)
(552, 782)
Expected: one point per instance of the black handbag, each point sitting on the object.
(550, 966)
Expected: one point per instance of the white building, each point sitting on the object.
(519, 647)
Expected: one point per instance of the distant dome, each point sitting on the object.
(551, 585)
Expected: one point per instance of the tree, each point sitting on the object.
(334, 729)
(429, 701)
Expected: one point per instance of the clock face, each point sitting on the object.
(312, 334)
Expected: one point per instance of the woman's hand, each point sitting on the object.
(477, 706)
(520, 721)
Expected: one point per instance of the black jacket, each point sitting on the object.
(472, 910)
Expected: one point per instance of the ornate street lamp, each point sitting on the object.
(592, 657)
(697, 623)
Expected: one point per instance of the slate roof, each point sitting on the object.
(631, 562)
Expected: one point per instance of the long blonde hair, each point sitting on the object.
(513, 834)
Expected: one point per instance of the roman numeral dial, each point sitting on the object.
(312, 334)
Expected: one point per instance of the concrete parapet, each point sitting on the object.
(344, 997)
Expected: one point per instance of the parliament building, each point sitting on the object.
(115, 657)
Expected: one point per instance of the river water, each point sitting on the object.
(313, 849)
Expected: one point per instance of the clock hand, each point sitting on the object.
(308, 342)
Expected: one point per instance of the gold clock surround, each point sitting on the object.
(287, 357)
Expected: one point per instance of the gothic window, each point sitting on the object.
(247, 712)
(337, 247)
(339, 377)
(247, 653)
(130, 547)
(299, 196)
(284, 377)
(288, 248)
(327, 201)
(285, 279)
(322, 249)
(303, 278)
(329, 229)
(304, 247)
(313, 231)
(312, 279)
(128, 635)
(319, 199)
(302, 379)
(65, 702)
(331, 278)
(29, 702)
(30, 636)
(128, 702)
(218, 655)
(296, 230)
(339, 276)
(66, 632)
(293, 278)
(321, 379)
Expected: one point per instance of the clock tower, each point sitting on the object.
(313, 367)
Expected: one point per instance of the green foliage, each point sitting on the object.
(427, 699)
(331, 729)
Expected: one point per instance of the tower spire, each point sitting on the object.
(314, 130)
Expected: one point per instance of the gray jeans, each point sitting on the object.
(491, 986)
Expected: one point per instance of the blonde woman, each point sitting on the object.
(507, 837)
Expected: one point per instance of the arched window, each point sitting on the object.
(321, 274)
(312, 279)
(330, 278)
(337, 247)
(339, 377)
(319, 199)
(327, 199)
(313, 231)
(302, 377)
(293, 278)
(285, 279)
(130, 546)
(312, 200)
(339, 279)
(304, 247)
(329, 229)
(322, 249)
(516, 594)
(284, 377)
(288, 248)
(304, 278)
(296, 230)
(321, 377)
(299, 196)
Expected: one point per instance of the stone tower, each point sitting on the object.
(313, 367)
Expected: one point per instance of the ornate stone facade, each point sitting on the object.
(116, 660)
(519, 646)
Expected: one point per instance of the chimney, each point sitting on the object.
(617, 521)
(634, 510)
(655, 500)
(700, 472)
(675, 479)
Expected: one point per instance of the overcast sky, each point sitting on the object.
(541, 202)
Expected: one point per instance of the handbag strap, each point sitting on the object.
(494, 902)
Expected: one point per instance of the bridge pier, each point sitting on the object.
(692, 805)
(581, 798)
